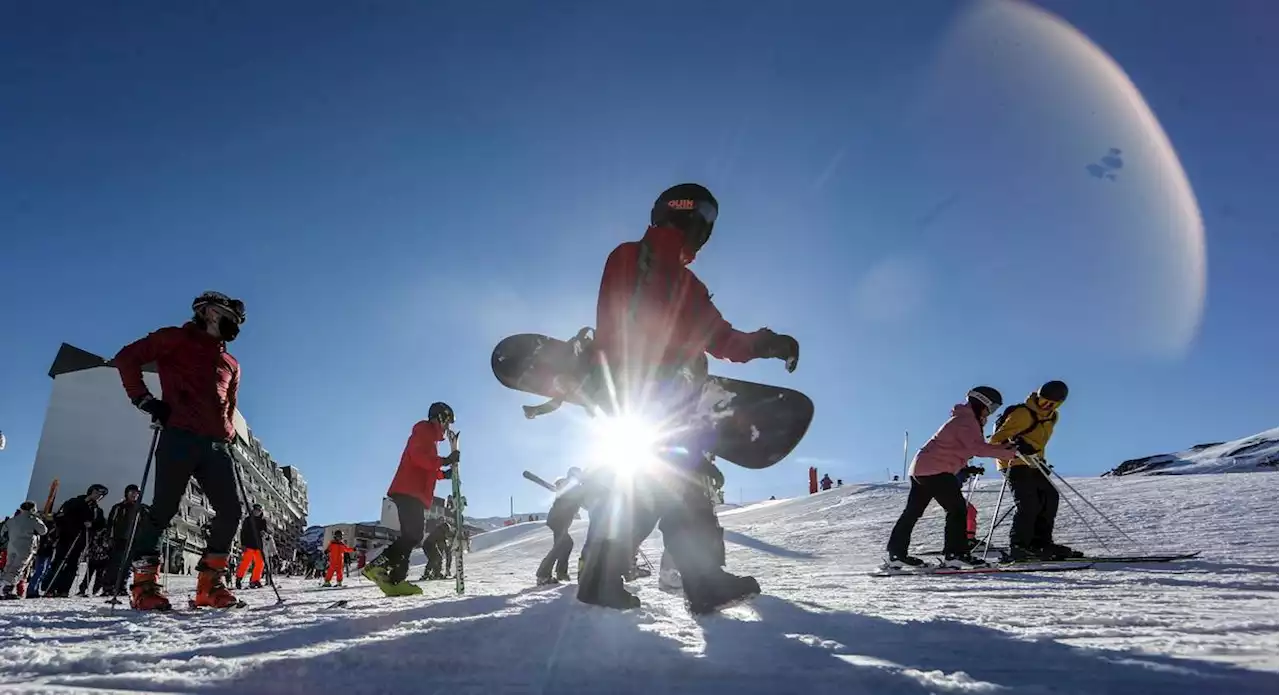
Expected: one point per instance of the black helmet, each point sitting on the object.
(98, 488)
(131, 488)
(689, 207)
(232, 316)
(1055, 391)
(988, 397)
(441, 413)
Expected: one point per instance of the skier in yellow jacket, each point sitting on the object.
(1029, 426)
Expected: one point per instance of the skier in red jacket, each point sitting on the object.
(655, 325)
(412, 490)
(199, 380)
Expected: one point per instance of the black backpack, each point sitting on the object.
(1035, 419)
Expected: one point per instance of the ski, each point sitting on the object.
(459, 520)
(993, 569)
(1171, 557)
(539, 481)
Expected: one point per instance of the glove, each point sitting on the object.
(974, 470)
(1024, 448)
(772, 345)
(452, 458)
(156, 408)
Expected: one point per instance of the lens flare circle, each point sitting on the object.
(626, 443)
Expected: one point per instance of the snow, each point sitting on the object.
(1207, 625)
(1255, 454)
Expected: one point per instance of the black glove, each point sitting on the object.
(974, 470)
(156, 408)
(772, 345)
(452, 458)
(1024, 447)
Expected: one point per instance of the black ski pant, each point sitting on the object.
(945, 488)
(558, 557)
(435, 558)
(180, 456)
(1037, 508)
(95, 576)
(66, 560)
(114, 566)
(412, 514)
(447, 548)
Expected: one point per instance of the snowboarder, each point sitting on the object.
(23, 530)
(413, 490)
(78, 520)
(571, 494)
(1028, 426)
(253, 532)
(933, 477)
(200, 382)
(655, 325)
(337, 552)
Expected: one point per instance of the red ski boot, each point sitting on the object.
(211, 590)
(146, 594)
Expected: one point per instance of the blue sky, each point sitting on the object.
(393, 187)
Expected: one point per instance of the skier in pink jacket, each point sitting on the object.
(934, 477)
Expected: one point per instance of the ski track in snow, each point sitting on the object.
(1203, 626)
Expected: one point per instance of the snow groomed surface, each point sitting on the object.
(1205, 625)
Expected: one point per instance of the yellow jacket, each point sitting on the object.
(1028, 422)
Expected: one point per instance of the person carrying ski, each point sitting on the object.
(253, 533)
(337, 552)
(1029, 426)
(23, 530)
(412, 490)
(571, 492)
(655, 326)
(78, 520)
(199, 382)
(933, 477)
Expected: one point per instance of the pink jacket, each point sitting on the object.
(957, 441)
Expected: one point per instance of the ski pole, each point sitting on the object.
(126, 559)
(986, 544)
(266, 564)
(48, 586)
(1040, 466)
(1091, 505)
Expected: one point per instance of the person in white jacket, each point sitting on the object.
(23, 529)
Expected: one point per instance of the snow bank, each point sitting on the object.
(1248, 455)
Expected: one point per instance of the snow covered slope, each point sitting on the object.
(1248, 455)
(824, 626)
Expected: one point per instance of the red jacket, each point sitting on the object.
(198, 378)
(420, 464)
(653, 310)
(336, 550)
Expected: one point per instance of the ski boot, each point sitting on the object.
(146, 594)
(962, 561)
(239, 581)
(560, 576)
(1061, 552)
(6, 593)
(901, 561)
(326, 584)
(391, 579)
(547, 581)
(722, 591)
(255, 585)
(83, 593)
(211, 588)
(1020, 553)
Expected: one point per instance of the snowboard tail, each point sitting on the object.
(755, 425)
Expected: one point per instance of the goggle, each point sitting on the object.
(992, 406)
(224, 305)
(702, 208)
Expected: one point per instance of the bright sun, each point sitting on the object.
(625, 443)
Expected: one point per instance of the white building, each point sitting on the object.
(93, 434)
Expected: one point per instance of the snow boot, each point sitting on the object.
(211, 588)
(145, 593)
(898, 561)
(720, 592)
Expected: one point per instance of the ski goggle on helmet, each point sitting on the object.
(988, 397)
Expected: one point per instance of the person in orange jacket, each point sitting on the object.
(337, 551)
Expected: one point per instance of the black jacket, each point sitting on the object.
(249, 539)
(120, 519)
(74, 513)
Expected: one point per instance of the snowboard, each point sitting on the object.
(533, 478)
(756, 425)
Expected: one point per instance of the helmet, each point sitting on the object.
(1055, 391)
(100, 489)
(988, 397)
(256, 507)
(441, 413)
(689, 207)
(132, 488)
(337, 534)
(231, 317)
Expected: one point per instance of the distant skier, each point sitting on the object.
(571, 493)
(120, 524)
(826, 482)
(200, 382)
(253, 534)
(336, 551)
(933, 477)
(78, 520)
(1028, 426)
(655, 325)
(413, 490)
(23, 530)
(434, 544)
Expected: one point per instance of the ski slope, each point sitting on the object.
(823, 626)
(1254, 454)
